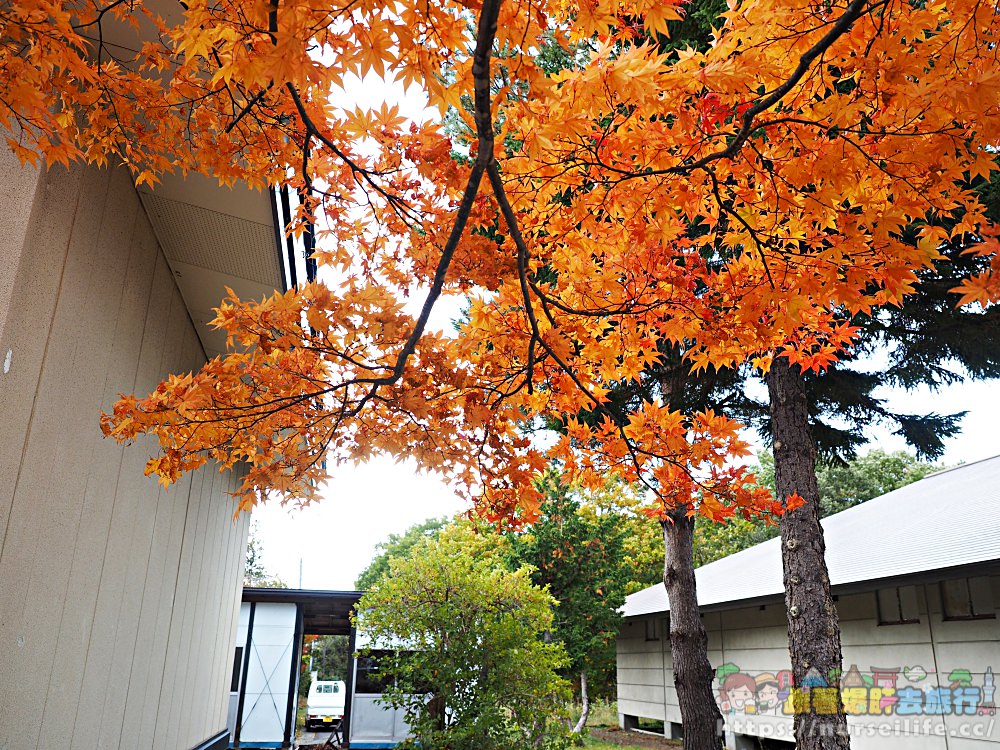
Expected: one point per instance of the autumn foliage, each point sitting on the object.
(738, 203)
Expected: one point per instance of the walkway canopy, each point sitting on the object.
(323, 612)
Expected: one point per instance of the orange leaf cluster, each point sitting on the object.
(736, 203)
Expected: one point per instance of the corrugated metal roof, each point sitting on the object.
(948, 519)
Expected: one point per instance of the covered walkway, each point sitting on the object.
(273, 624)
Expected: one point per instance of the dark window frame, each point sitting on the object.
(366, 673)
(890, 618)
(975, 612)
(652, 632)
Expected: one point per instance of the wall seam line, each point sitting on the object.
(41, 366)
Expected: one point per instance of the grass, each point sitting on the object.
(593, 744)
(603, 713)
(616, 740)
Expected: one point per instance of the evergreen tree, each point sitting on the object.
(580, 557)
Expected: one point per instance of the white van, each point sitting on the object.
(325, 704)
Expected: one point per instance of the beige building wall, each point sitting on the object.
(118, 598)
(755, 640)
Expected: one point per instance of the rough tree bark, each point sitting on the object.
(693, 674)
(813, 625)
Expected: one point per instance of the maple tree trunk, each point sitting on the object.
(813, 624)
(700, 717)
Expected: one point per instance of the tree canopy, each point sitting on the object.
(579, 556)
(588, 550)
(734, 199)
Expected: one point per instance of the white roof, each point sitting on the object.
(945, 520)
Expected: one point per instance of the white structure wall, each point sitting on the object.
(118, 598)
(754, 640)
(273, 647)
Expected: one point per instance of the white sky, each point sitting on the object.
(978, 439)
(334, 540)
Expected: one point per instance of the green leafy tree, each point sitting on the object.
(477, 672)
(844, 485)
(713, 541)
(578, 554)
(642, 537)
(643, 553)
(397, 545)
(327, 656)
(590, 550)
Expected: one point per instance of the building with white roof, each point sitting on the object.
(916, 576)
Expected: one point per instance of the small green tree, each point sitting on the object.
(472, 668)
(578, 553)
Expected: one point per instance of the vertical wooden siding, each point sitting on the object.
(118, 598)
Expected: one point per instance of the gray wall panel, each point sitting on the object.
(118, 597)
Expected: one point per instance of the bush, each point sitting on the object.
(472, 668)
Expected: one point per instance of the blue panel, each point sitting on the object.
(259, 744)
(372, 745)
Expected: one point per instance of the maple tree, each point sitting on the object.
(735, 201)
(922, 338)
(659, 293)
